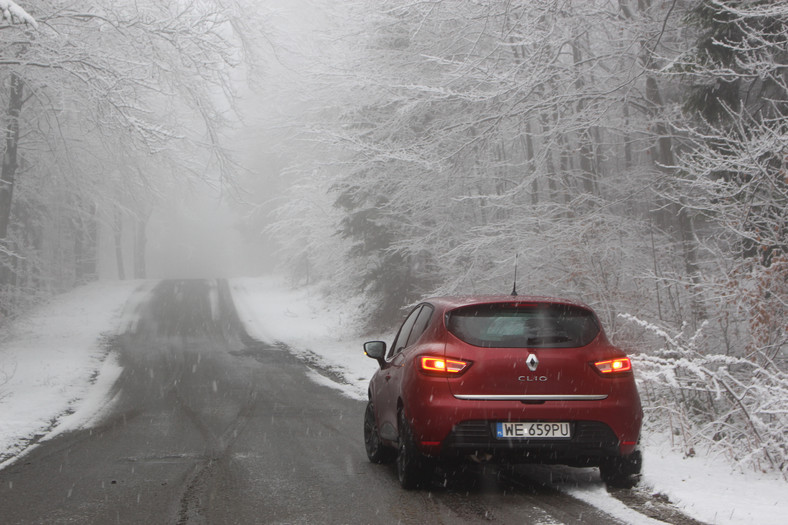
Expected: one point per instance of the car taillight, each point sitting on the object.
(442, 365)
(614, 366)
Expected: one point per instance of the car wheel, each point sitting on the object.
(622, 471)
(377, 452)
(413, 468)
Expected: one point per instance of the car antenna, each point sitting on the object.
(514, 286)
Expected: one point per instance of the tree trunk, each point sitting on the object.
(530, 156)
(584, 136)
(10, 161)
(552, 174)
(118, 235)
(627, 139)
(85, 235)
(140, 246)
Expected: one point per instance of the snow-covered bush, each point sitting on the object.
(714, 403)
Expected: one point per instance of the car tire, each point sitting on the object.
(377, 452)
(622, 471)
(414, 470)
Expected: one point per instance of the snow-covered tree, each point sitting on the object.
(105, 103)
(734, 170)
(470, 132)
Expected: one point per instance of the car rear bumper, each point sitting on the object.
(590, 442)
(600, 428)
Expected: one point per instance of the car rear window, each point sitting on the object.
(523, 326)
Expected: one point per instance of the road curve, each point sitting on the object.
(211, 427)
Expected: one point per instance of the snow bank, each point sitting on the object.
(55, 372)
(314, 330)
(713, 491)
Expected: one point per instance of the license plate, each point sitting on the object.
(532, 430)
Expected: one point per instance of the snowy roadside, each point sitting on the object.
(55, 371)
(315, 331)
(707, 489)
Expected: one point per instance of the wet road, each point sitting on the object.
(210, 427)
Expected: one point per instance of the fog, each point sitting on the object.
(216, 230)
(197, 238)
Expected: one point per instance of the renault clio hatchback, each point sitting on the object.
(512, 379)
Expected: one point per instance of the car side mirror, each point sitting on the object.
(376, 350)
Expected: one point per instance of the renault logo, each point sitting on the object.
(532, 362)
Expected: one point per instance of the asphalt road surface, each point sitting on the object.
(211, 427)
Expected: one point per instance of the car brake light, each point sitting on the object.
(442, 366)
(613, 366)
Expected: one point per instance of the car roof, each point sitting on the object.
(456, 301)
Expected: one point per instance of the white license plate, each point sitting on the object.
(531, 430)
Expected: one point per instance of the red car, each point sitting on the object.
(509, 378)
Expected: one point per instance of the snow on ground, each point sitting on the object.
(56, 375)
(313, 329)
(55, 371)
(713, 491)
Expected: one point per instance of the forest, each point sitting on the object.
(628, 153)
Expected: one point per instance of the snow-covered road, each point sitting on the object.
(56, 374)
